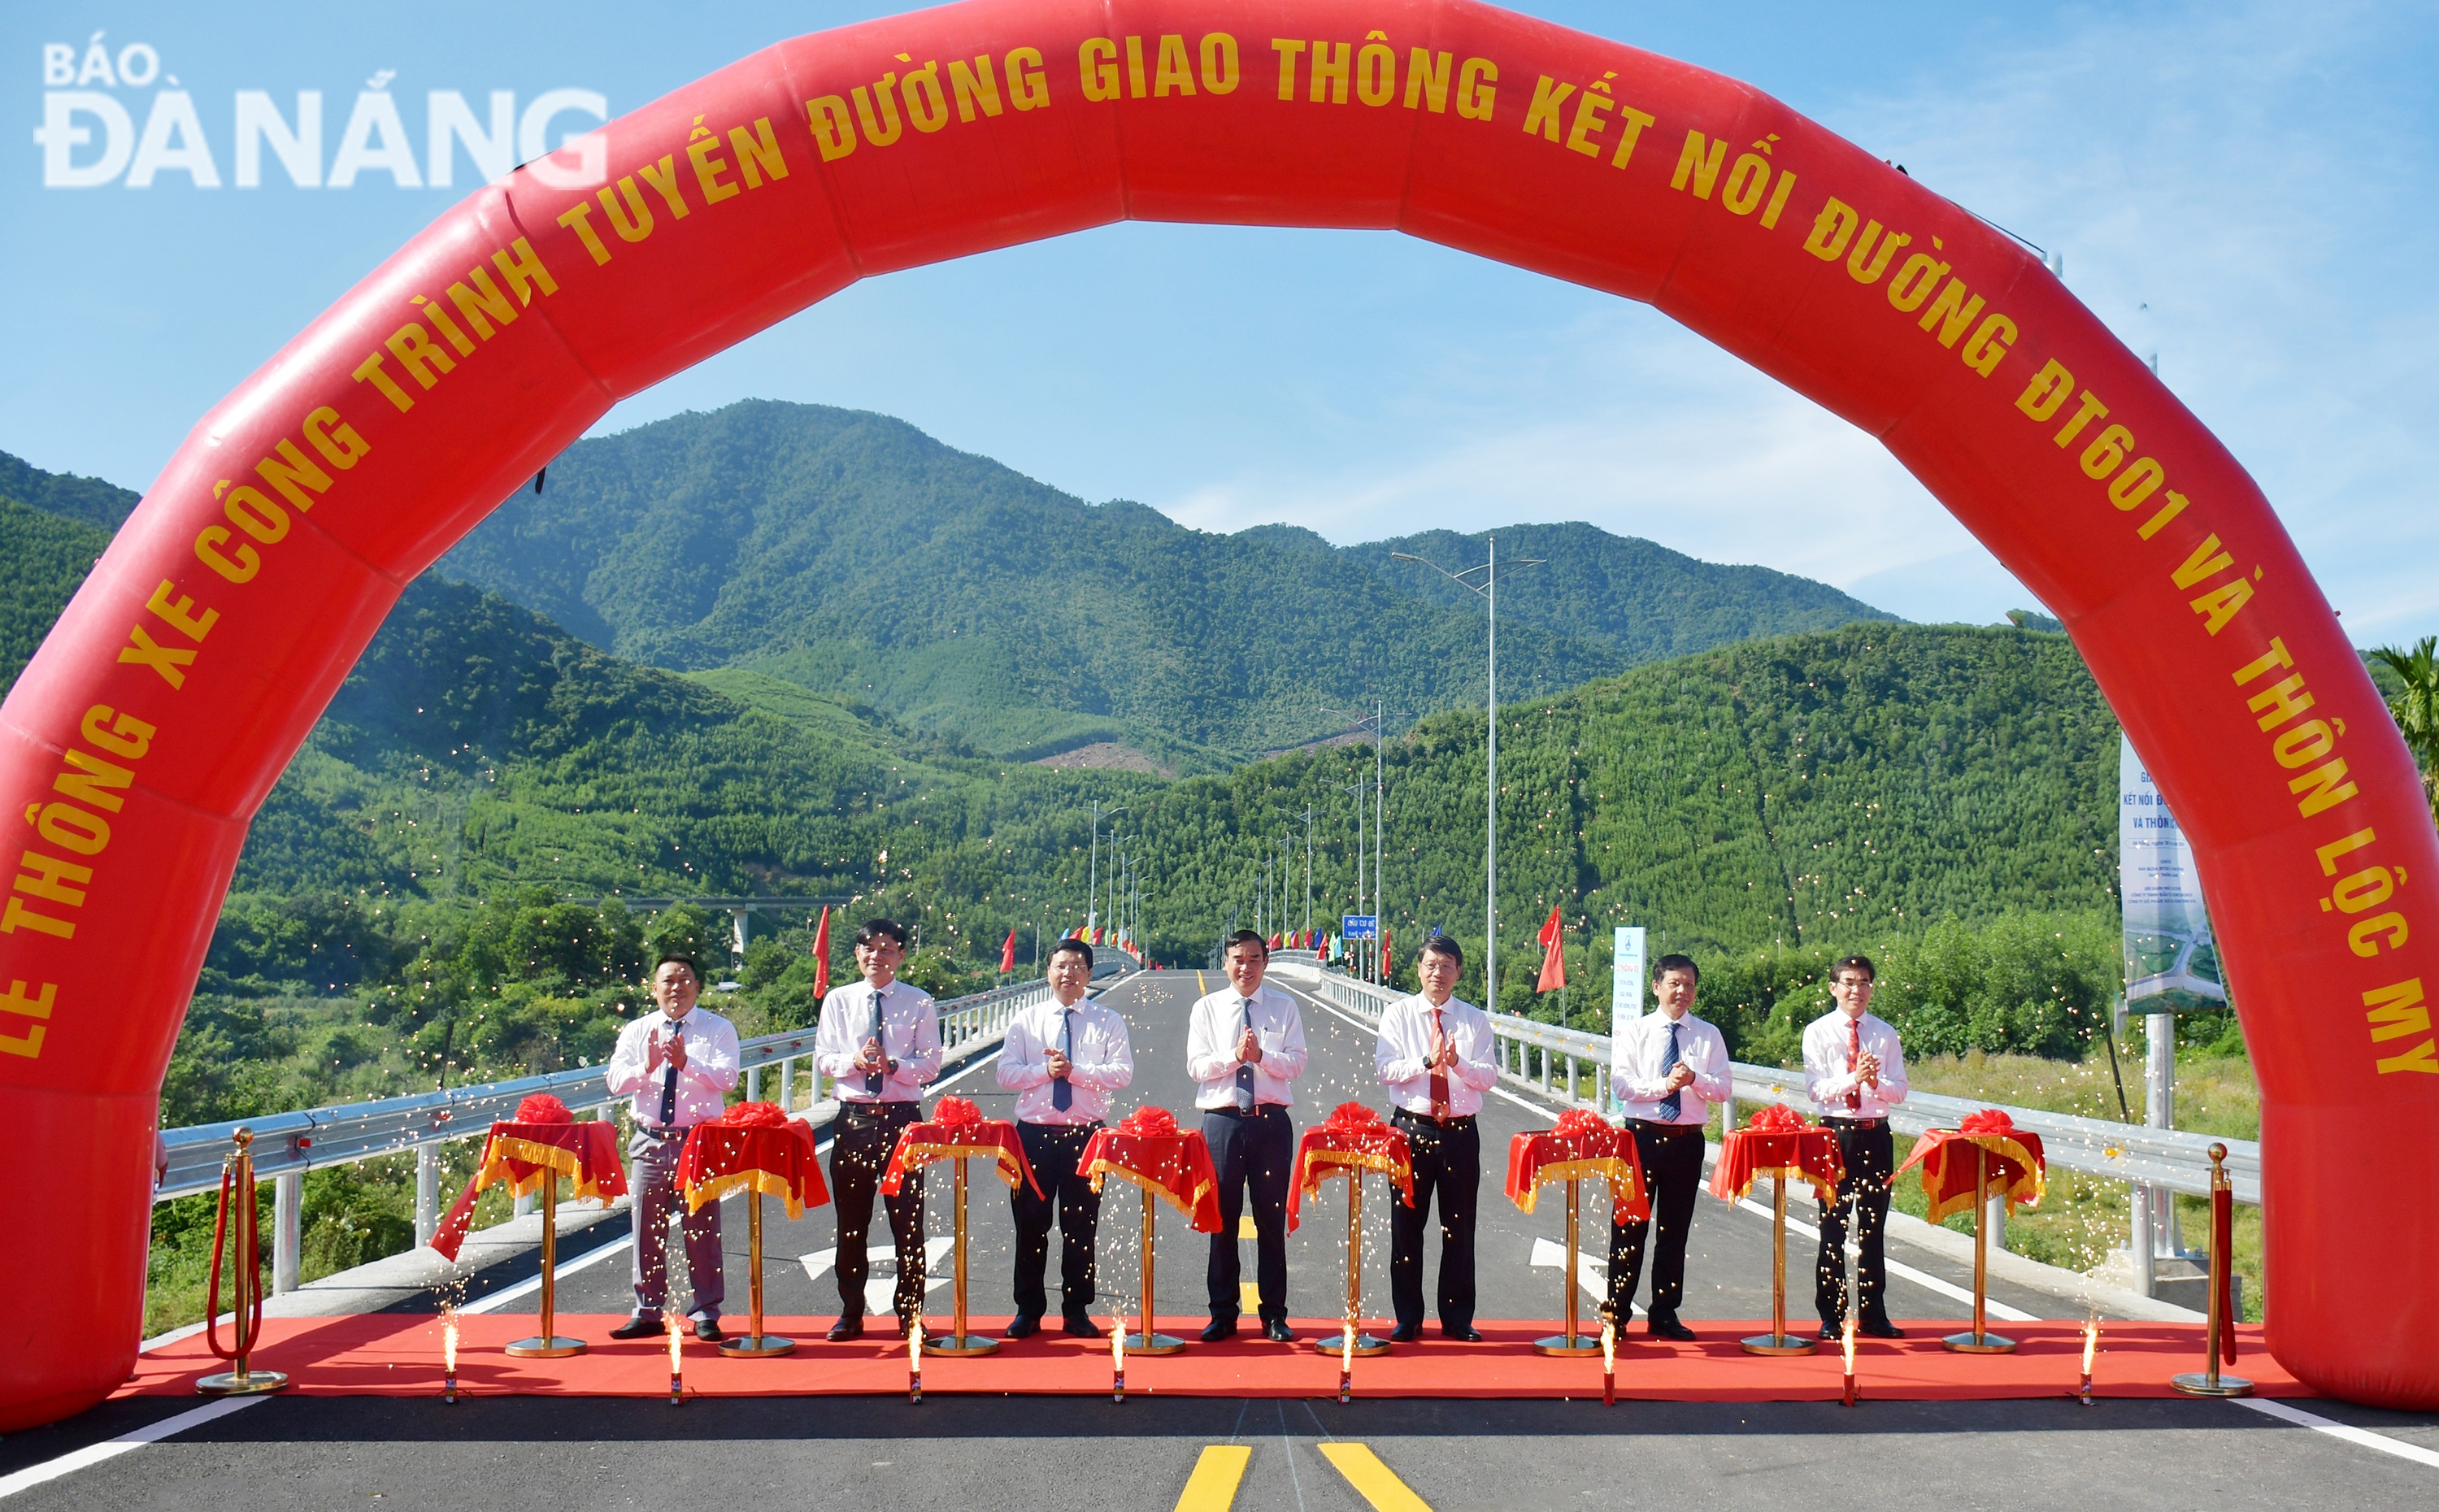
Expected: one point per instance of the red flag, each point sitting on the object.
(822, 956)
(1007, 951)
(1554, 955)
(1388, 962)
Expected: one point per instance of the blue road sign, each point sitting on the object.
(1362, 926)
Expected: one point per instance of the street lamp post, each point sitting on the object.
(1378, 720)
(1488, 590)
(1092, 876)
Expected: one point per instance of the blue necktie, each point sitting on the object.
(1245, 1074)
(1062, 1094)
(1671, 1105)
(872, 1079)
(669, 1086)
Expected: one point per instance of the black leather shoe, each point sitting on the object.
(904, 1327)
(1277, 1332)
(1405, 1333)
(1831, 1330)
(1466, 1335)
(847, 1328)
(1671, 1328)
(1080, 1326)
(708, 1329)
(638, 1327)
(1024, 1325)
(1220, 1328)
(1882, 1329)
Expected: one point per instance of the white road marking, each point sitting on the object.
(1904, 1271)
(493, 1302)
(1592, 1273)
(2363, 1438)
(92, 1454)
(880, 1288)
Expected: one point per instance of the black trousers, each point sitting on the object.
(1253, 1150)
(1054, 1150)
(1672, 1170)
(867, 1133)
(1447, 1166)
(1870, 1155)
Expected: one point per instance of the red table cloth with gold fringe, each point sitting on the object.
(542, 1142)
(958, 1131)
(1150, 1150)
(1778, 1142)
(1949, 1163)
(1583, 1147)
(753, 1147)
(1350, 1141)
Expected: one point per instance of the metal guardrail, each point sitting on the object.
(1552, 1060)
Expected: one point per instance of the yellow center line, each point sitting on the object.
(1212, 1487)
(1372, 1481)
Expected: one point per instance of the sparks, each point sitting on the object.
(2091, 1344)
(449, 1341)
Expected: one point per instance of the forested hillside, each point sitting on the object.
(44, 559)
(853, 554)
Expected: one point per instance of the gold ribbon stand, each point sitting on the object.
(1575, 1341)
(754, 1343)
(1980, 1341)
(957, 1341)
(246, 1266)
(548, 1344)
(1778, 1342)
(1366, 1344)
(2208, 1381)
(1149, 1342)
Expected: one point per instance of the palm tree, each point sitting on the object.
(2417, 708)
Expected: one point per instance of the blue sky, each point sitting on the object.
(2245, 191)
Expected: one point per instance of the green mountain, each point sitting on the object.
(850, 554)
(103, 505)
(43, 561)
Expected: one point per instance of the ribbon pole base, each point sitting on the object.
(553, 1347)
(961, 1344)
(756, 1346)
(1366, 1344)
(2203, 1383)
(1779, 1343)
(1154, 1343)
(1979, 1344)
(242, 1382)
(1568, 1344)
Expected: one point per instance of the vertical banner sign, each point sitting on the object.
(2171, 962)
(1625, 980)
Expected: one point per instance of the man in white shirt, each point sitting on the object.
(1244, 1045)
(878, 1041)
(678, 1065)
(1062, 1059)
(1668, 1068)
(1434, 1056)
(1855, 1071)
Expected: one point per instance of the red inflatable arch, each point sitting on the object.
(187, 670)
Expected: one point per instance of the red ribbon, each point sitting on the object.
(1778, 1118)
(1577, 1122)
(1351, 1116)
(1988, 1121)
(754, 1115)
(956, 1112)
(1149, 1123)
(542, 1107)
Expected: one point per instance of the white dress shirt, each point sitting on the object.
(910, 1036)
(1100, 1061)
(1826, 1074)
(1639, 1069)
(710, 1070)
(1213, 1029)
(1405, 1049)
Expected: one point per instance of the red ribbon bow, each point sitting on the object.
(754, 1115)
(956, 1112)
(1988, 1121)
(1149, 1123)
(1576, 1122)
(1778, 1118)
(542, 1107)
(1352, 1115)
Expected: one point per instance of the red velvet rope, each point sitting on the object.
(249, 1249)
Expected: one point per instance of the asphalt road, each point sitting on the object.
(1043, 1453)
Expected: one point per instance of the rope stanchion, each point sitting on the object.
(2220, 1337)
(244, 1242)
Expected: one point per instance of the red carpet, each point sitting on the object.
(398, 1355)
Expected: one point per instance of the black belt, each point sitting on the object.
(1061, 1129)
(1452, 1121)
(1836, 1122)
(1650, 1126)
(1256, 1111)
(880, 1109)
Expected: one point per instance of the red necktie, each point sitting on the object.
(1440, 1072)
(1855, 1060)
